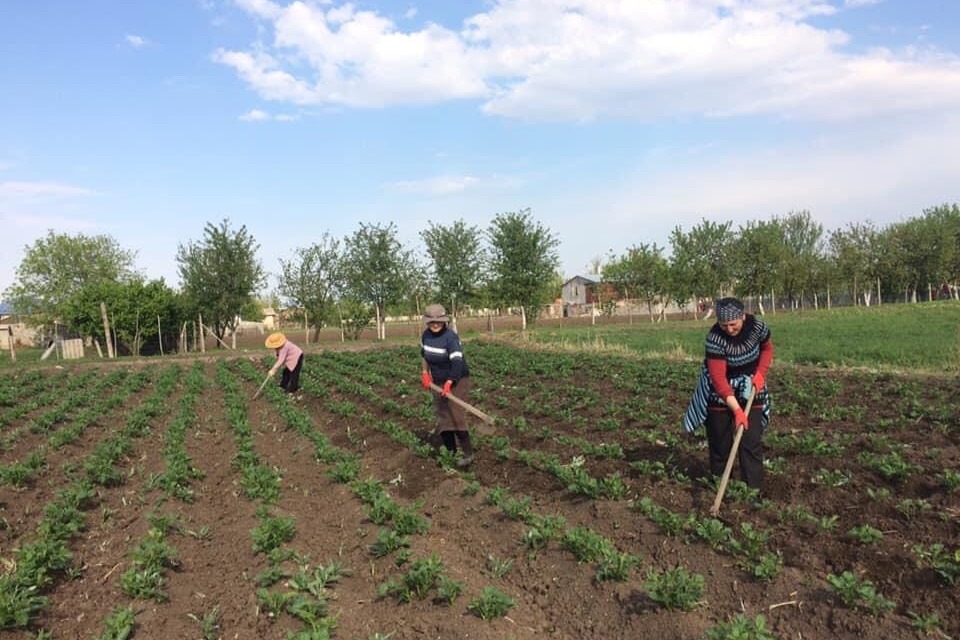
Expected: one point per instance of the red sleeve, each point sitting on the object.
(717, 370)
(766, 357)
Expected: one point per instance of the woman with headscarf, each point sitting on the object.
(739, 352)
(444, 364)
(290, 357)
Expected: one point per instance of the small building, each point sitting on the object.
(580, 290)
(269, 318)
(13, 329)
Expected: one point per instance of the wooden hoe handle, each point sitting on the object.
(469, 407)
(715, 509)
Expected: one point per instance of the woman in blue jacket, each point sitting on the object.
(444, 364)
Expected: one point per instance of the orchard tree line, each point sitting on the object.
(348, 282)
(359, 280)
(789, 259)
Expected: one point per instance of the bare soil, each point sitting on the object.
(554, 595)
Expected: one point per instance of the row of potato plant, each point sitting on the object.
(889, 464)
(44, 561)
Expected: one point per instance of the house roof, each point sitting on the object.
(593, 279)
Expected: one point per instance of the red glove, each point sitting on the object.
(447, 386)
(740, 419)
(758, 382)
(425, 379)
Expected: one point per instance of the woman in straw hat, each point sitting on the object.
(739, 352)
(290, 357)
(443, 363)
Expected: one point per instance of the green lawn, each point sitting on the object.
(923, 336)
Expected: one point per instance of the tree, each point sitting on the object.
(377, 269)
(220, 274)
(803, 243)
(640, 272)
(136, 309)
(759, 258)
(59, 266)
(458, 257)
(854, 251)
(523, 262)
(312, 280)
(700, 262)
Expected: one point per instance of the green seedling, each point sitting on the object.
(865, 534)
(859, 594)
(675, 589)
(119, 625)
(490, 604)
(741, 628)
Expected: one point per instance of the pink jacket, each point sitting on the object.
(288, 355)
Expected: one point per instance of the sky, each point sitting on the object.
(613, 121)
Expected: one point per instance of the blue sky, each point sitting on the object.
(613, 121)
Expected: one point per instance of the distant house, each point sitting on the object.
(269, 318)
(580, 290)
(11, 328)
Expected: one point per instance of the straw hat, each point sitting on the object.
(275, 340)
(435, 313)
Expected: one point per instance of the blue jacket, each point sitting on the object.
(444, 353)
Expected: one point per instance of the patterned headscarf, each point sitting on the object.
(729, 309)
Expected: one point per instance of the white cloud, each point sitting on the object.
(886, 175)
(439, 185)
(860, 3)
(255, 115)
(135, 41)
(592, 59)
(452, 184)
(258, 115)
(31, 190)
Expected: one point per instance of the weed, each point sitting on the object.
(209, 623)
(144, 583)
(925, 623)
(490, 604)
(766, 567)
(587, 545)
(119, 624)
(865, 534)
(272, 532)
(498, 567)
(387, 542)
(422, 576)
(448, 590)
(18, 603)
(741, 628)
(831, 478)
(951, 480)
(946, 564)
(913, 507)
(616, 566)
(714, 532)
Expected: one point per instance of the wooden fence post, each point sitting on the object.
(13, 352)
(106, 329)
